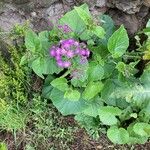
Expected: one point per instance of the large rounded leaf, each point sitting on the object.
(142, 129)
(65, 106)
(118, 135)
(92, 89)
(107, 114)
(45, 65)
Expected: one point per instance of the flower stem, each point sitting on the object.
(65, 74)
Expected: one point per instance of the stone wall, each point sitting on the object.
(132, 13)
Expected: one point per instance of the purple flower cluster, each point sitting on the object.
(68, 49)
(65, 28)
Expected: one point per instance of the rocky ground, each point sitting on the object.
(132, 13)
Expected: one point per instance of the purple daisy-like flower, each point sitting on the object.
(66, 64)
(63, 51)
(58, 57)
(60, 63)
(83, 52)
(53, 53)
(87, 52)
(65, 28)
(70, 54)
(68, 49)
(58, 51)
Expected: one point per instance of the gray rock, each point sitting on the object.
(130, 22)
(147, 3)
(9, 18)
(128, 6)
(20, 1)
(101, 3)
(42, 3)
(69, 2)
(55, 11)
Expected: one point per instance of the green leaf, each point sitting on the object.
(112, 96)
(72, 95)
(108, 89)
(108, 69)
(147, 29)
(108, 115)
(121, 66)
(95, 72)
(86, 36)
(46, 91)
(86, 17)
(93, 107)
(98, 31)
(65, 106)
(90, 124)
(148, 23)
(92, 89)
(75, 23)
(118, 135)
(108, 25)
(24, 60)
(118, 42)
(47, 88)
(145, 78)
(32, 41)
(44, 39)
(135, 138)
(45, 65)
(61, 84)
(142, 129)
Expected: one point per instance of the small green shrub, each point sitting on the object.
(3, 146)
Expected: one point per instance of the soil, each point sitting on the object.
(81, 141)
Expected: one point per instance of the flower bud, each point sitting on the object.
(58, 51)
(60, 63)
(53, 53)
(70, 54)
(66, 64)
(83, 52)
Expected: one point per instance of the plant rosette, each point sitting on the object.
(90, 74)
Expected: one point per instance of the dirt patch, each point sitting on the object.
(81, 141)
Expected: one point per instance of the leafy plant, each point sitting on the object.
(90, 74)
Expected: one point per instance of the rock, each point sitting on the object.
(147, 3)
(42, 3)
(55, 11)
(69, 2)
(143, 12)
(41, 12)
(91, 3)
(20, 1)
(101, 3)
(41, 24)
(9, 18)
(128, 6)
(130, 22)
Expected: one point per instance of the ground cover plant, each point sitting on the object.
(89, 71)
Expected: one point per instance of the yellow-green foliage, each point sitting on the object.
(13, 91)
(11, 117)
(14, 81)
